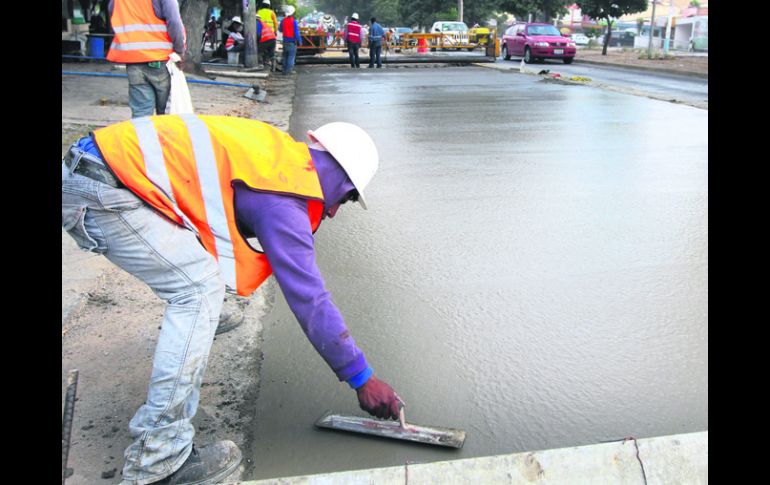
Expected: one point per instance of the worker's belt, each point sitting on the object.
(90, 166)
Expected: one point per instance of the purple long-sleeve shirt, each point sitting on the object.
(281, 225)
(168, 10)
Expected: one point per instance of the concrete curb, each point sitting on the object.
(679, 458)
(642, 68)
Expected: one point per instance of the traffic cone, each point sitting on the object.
(422, 46)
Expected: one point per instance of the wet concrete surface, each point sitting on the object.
(675, 86)
(532, 269)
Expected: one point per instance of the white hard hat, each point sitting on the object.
(266, 2)
(353, 149)
(354, 16)
(236, 19)
(289, 10)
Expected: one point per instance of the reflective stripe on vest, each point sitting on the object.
(354, 32)
(140, 36)
(184, 166)
(155, 166)
(267, 32)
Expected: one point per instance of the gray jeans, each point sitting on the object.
(169, 259)
(148, 89)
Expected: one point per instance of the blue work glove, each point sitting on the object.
(377, 398)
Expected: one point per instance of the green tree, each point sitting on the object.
(541, 10)
(608, 10)
(386, 12)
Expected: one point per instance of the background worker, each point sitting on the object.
(146, 33)
(210, 34)
(353, 39)
(375, 43)
(266, 44)
(291, 37)
(235, 40)
(146, 194)
(268, 15)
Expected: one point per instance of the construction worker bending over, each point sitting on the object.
(146, 33)
(171, 199)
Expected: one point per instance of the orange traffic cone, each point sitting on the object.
(422, 46)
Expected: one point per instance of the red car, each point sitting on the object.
(537, 41)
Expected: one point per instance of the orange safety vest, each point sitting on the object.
(267, 32)
(140, 36)
(185, 165)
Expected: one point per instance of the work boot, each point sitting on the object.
(206, 465)
(232, 314)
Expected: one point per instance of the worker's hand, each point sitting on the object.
(180, 64)
(377, 398)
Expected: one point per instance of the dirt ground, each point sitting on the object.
(681, 62)
(110, 320)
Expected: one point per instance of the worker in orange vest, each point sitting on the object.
(177, 200)
(266, 43)
(146, 33)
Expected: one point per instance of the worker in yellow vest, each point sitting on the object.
(268, 15)
(266, 44)
(147, 32)
(192, 205)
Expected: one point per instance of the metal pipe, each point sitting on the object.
(69, 411)
(191, 81)
(68, 56)
(399, 60)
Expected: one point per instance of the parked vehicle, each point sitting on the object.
(399, 31)
(579, 39)
(619, 38)
(479, 35)
(454, 33)
(534, 41)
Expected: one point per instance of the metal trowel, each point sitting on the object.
(429, 435)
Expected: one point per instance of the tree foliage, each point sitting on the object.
(608, 10)
(410, 13)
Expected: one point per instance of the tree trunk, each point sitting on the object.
(607, 36)
(194, 19)
(250, 34)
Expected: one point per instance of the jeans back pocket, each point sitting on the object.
(87, 235)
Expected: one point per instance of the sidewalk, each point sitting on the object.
(110, 319)
(685, 63)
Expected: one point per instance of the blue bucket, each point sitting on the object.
(96, 46)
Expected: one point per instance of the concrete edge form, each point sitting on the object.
(681, 458)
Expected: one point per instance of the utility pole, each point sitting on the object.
(460, 9)
(652, 30)
(251, 58)
(668, 28)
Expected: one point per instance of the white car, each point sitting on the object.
(454, 33)
(579, 39)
